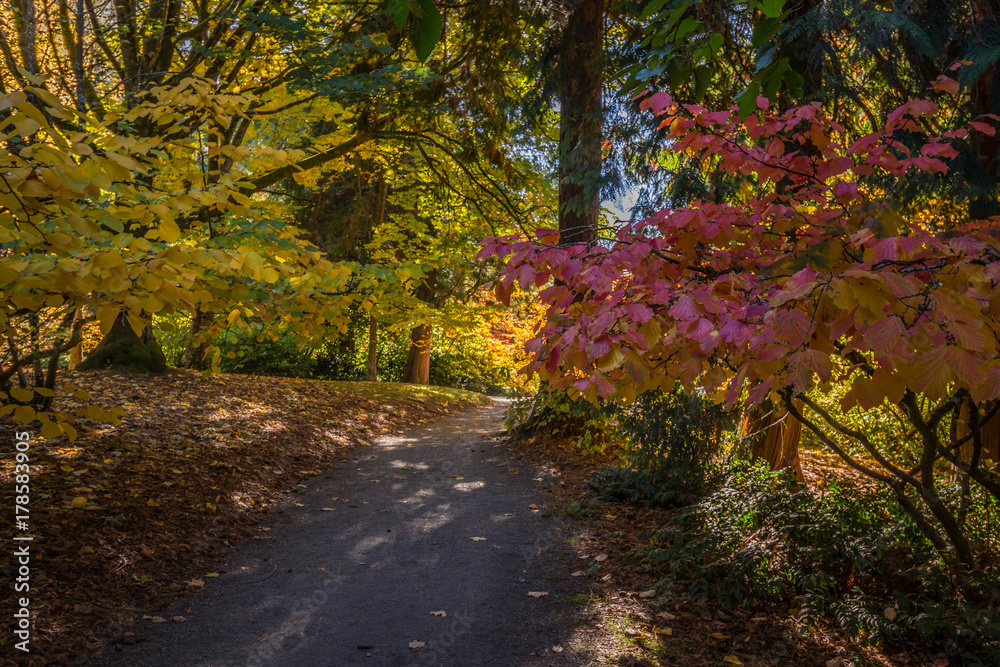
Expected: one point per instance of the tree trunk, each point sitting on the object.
(581, 135)
(122, 349)
(775, 438)
(196, 354)
(418, 364)
(989, 434)
(372, 365)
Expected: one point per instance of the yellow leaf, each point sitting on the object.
(106, 315)
(78, 502)
(24, 414)
(731, 660)
(169, 231)
(21, 394)
(211, 575)
(152, 503)
(107, 259)
(663, 631)
(478, 539)
(66, 468)
(51, 430)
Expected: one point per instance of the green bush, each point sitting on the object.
(467, 369)
(842, 557)
(556, 413)
(672, 440)
(172, 332)
(256, 353)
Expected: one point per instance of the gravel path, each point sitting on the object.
(358, 584)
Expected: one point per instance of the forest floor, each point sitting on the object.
(131, 515)
(158, 541)
(627, 629)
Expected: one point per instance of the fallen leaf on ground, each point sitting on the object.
(78, 502)
(537, 594)
(154, 619)
(417, 645)
(631, 632)
(600, 558)
(731, 660)
(578, 573)
(328, 509)
(835, 662)
(533, 506)
(648, 594)
(478, 539)
(719, 635)
(890, 613)
(438, 613)
(663, 631)
(152, 503)
(211, 574)
(178, 619)
(557, 649)
(196, 582)
(666, 616)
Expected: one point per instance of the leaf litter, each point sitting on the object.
(131, 515)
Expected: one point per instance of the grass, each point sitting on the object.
(399, 391)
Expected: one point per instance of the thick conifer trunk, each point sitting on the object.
(581, 135)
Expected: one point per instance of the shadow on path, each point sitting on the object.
(393, 546)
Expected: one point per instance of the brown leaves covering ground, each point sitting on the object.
(191, 469)
(617, 626)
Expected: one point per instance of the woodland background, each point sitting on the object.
(411, 191)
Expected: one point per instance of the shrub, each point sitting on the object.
(256, 353)
(856, 560)
(557, 414)
(672, 440)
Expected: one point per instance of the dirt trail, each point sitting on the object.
(396, 547)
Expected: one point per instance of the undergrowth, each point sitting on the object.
(843, 558)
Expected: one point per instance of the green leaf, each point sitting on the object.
(765, 31)
(747, 100)
(771, 8)
(715, 42)
(651, 8)
(426, 31)
(398, 10)
(702, 77)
